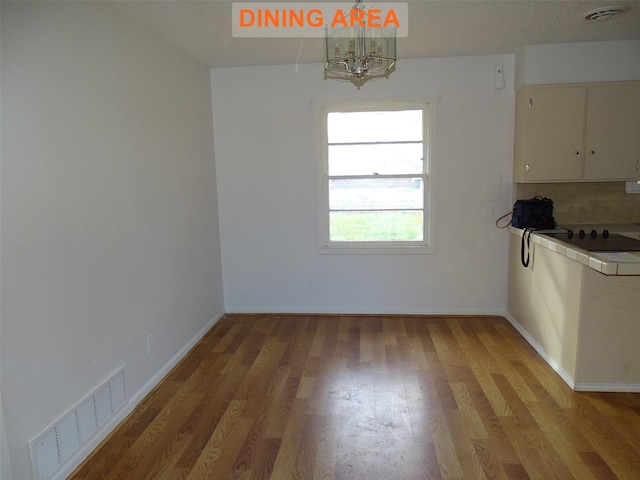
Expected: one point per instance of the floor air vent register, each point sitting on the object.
(52, 448)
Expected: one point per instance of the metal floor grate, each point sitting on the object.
(53, 447)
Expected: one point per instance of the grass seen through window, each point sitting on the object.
(376, 226)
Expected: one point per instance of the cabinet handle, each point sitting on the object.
(637, 165)
(527, 167)
(577, 152)
(592, 152)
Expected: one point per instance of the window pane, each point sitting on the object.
(402, 158)
(391, 126)
(375, 226)
(376, 194)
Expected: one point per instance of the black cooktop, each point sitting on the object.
(598, 241)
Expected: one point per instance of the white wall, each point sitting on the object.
(109, 208)
(579, 62)
(266, 165)
(5, 463)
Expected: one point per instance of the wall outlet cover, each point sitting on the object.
(632, 187)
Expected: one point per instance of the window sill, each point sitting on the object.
(381, 250)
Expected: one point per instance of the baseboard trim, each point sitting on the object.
(541, 351)
(134, 400)
(576, 386)
(155, 380)
(347, 311)
(607, 387)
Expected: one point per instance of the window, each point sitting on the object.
(375, 181)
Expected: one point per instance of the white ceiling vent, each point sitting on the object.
(603, 13)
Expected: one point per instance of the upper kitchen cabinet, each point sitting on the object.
(612, 132)
(577, 132)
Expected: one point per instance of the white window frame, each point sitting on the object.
(427, 245)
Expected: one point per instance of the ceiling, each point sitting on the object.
(436, 28)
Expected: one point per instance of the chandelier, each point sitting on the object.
(357, 52)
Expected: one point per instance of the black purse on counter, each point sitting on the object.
(535, 213)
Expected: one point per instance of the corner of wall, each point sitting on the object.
(520, 68)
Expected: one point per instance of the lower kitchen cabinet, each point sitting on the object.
(585, 324)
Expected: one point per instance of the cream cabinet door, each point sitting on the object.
(556, 133)
(613, 127)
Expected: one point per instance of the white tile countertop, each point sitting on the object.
(607, 263)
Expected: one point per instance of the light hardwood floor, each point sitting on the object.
(369, 397)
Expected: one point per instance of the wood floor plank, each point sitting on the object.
(621, 456)
(538, 459)
(164, 468)
(556, 415)
(427, 458)
(369, 397)
(561, 443)
(485, 458)
(206, 416)
(154, 442)
(217, 457)
(598, 466)
(254, 452)
(282, 409)
(287, 462)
